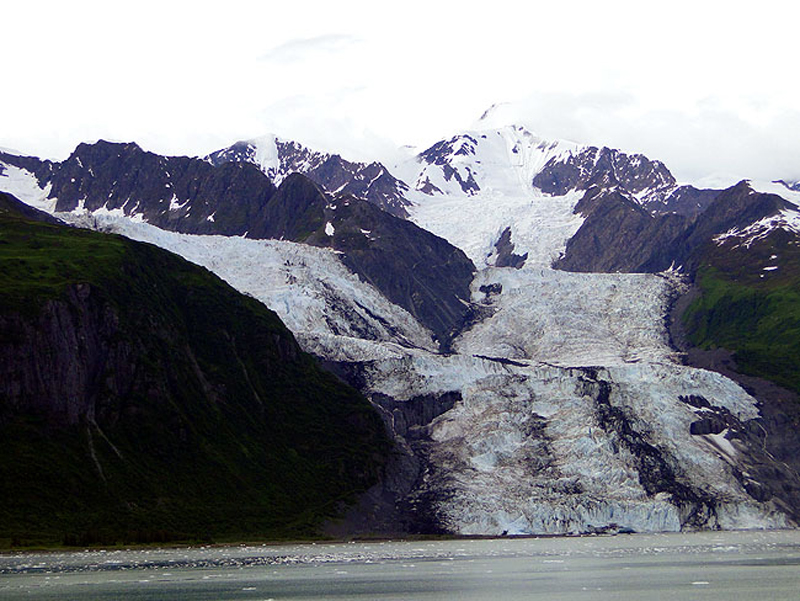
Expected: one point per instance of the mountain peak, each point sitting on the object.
(278, 158)
(105, 145)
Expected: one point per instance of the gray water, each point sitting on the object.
(732, 565)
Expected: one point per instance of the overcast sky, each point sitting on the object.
(707, 87)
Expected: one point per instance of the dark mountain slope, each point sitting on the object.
(142, 398)
(743, 320)
(415, 269)
(422, 273)
(368, 181)
(649, 181)
(620, 235)
(750, 304)
(734, 208)
(176, 193)
(11, 207)
(294, 213)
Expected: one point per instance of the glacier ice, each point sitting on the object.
(569, 392)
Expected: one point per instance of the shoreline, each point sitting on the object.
(366, 540)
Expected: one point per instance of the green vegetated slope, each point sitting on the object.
(750, 310)
(142, 399)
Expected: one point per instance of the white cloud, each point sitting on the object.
(305, 49)
(705, 86)
(746, 138)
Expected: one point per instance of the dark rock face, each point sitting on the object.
(776, 472)
(139, 393)
(505, 252)
(685, 200)
(413, 268)
(61, 384)
(174, 193)
(293, 213)
(368, 181)
(416, 412)
(736, 207)
(635, 175)
(403, 502)
(11, 206)
(790, 185)
(620, 235)
(708, 425)
(41, 169)
(371, 182)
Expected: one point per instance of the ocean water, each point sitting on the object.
(763, 565)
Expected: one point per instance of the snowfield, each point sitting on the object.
(22, 184)
(502, 164)
(540, 225)
(786, 219)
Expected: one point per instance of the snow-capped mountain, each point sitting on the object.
(504, 161)
(278, 158)
(511, 160)
(561, 405)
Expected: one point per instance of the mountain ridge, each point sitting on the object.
(237, 199)
(560, 405)
(277, 158)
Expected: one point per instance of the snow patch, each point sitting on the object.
(721, 442)
(176, 204)
(785, 219)
(24, 185)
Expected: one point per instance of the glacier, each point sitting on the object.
(570, 413)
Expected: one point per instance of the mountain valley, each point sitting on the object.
(504, 302)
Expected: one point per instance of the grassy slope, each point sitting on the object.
(750, 311)
(223, 429)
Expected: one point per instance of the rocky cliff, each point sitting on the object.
(142, 397)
